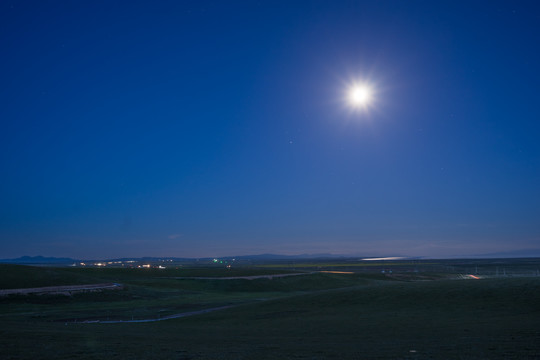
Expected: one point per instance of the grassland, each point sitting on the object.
(364, 315)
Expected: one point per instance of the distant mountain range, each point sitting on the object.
(285, 257)
(528, 253)
(242, 257)
(56, 260)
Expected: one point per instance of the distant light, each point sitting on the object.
(384, 258)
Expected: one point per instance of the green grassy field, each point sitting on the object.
(313, 316)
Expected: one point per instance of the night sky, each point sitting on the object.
(195, 128)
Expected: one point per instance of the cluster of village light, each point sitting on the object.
(123, 263)
(140, 265)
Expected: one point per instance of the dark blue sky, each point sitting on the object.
(195, 128)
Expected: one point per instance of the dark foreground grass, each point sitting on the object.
(468, 319)
(146, 297)
(20, 276)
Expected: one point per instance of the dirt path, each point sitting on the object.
(67, 290)
(169, 317)
(196, 312)
(252, 277)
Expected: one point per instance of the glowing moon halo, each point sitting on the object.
(359, 96)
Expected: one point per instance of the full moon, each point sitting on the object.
(359, 96)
